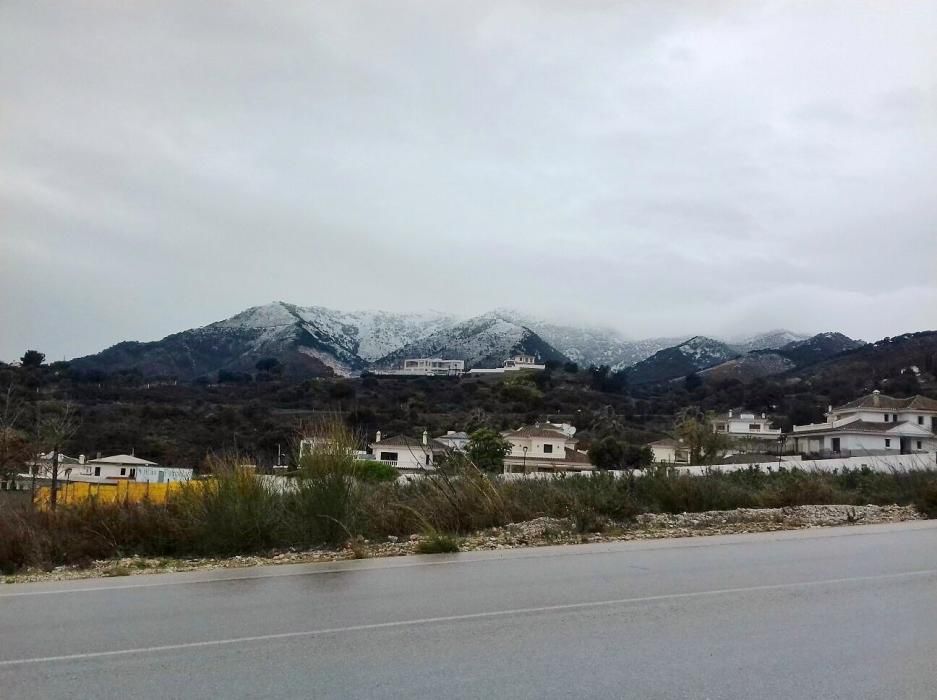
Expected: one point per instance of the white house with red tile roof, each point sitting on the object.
(873, 424)
(544, 447)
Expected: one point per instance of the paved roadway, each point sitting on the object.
(836, 613)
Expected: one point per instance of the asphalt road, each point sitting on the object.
(835, 613)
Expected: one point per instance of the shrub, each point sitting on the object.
(332, 501)
(372, 470)
(926, 501)
(437, 543)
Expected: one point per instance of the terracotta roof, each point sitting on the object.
(857, 426)
(917, 402)
(536, 431)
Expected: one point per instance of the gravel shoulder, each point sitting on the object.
(534, 533)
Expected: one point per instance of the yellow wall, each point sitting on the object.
(78, 492)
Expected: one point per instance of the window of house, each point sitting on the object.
(97, 471)
(894, 418)
(133, 473)
(887, 442)
(388, 456)
(721, 427)
(754, 426)
(123, 471)
(427, 460)
(548, 449)
(919, 444)
(886, 417)
(834, 444)
(920, 420)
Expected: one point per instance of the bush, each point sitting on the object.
(335, 500)
(926, 502)
(372, 470)
(437, 543)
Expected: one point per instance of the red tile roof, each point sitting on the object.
(917, 402)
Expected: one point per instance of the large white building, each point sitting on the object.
(428, 367)
(873, 424)
(515, 364)
(108, 469)
(544, 447)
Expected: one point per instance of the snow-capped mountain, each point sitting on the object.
(591, 345)
(306, 340)
(695, 354)
(769, 340)
(820, 347)
(483, 341)
(795, 354)
(316, 341)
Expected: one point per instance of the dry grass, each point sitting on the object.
(236, 513)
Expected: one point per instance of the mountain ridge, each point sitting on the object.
(319, 341)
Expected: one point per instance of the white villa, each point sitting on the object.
(107, 469)
(428, 367)
(456, 441)
(873, 424)
(408, 454)
(515, 364)
(544, 447)
(747, 431)
(670, 451)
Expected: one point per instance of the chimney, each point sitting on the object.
(377, 436)
(81, 459)
(730, 413)
(425, 437)
(875, 397)
(762, 415)
(450, 432)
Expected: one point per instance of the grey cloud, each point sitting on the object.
(666, 168)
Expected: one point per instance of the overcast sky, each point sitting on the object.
(660, 167)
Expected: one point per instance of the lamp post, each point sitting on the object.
(781, 439)
(524, 448)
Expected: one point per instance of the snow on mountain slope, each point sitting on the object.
(695, 354)
(314, 340)
(483, 341)
(589, 345)
(769, 340)
(307, 340)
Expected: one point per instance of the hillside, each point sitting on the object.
(904, 364)
(818, 348)
(179, 423)
(695, 354)
(307, 341)
(485, 341)
(768, 362)
(591, 345)
(315, 341)
(770, 340)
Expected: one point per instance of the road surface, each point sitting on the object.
(823, 613)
